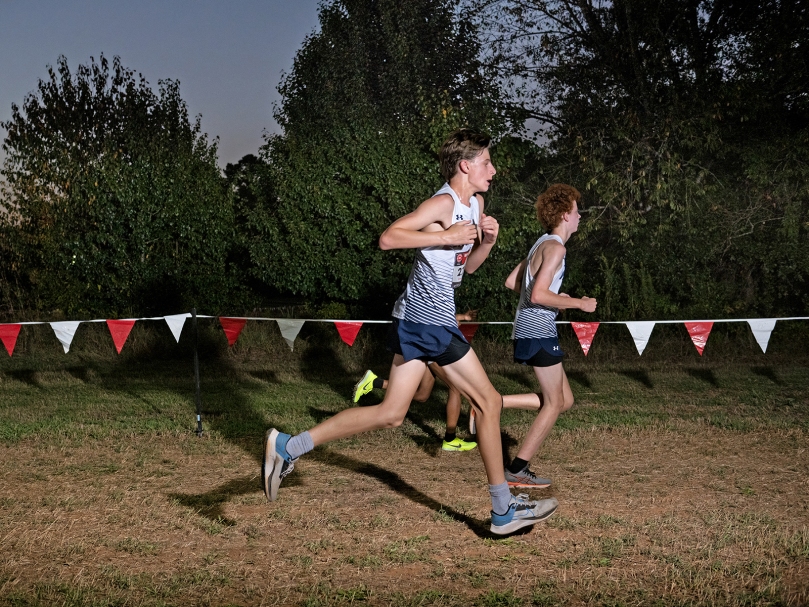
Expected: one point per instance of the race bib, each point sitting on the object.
(458, 269)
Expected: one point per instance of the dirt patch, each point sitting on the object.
(684, 515)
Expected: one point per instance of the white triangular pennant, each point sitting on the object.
(289, 330)
(176, 323)
(641, 330)
(65, 331)
(762, 328)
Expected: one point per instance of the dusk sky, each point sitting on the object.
(228, 56)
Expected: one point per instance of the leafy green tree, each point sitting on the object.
(117, 203)
(368, 102)
(685, 123)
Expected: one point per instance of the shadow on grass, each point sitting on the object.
(270, 377)
(767, 372)
(580, 378)
(521, 378)
(83, 374)
(640, 376)
(508, 443)
(430, 443)
(706, 375)
(321, 364)
(26, 376)
(406, 490)
(211, 504)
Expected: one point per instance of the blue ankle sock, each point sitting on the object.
(298, 445)
(501, 496)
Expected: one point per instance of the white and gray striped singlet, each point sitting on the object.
(429, 297)
(534, 321)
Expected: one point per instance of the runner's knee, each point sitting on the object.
(569, 400)
(422, 395)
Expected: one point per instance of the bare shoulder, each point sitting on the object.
(553, 251)
(549, 254)
(479, 198)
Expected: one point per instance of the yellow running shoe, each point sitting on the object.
(365, 385)
(458, 445)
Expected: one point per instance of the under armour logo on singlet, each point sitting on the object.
(459, 218)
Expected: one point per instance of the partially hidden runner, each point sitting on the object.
(451, 236)
(451, 442)
(538, 279)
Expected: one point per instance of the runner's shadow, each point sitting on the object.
(83, 374)
(706, 375)
(639, 376)
(211, 503)
(521, 379)
(26, 376)
(507, 442)
(269, 377)
(320, 363)
(430, 443)
(580, 378)
(395, 483)
(767, 372)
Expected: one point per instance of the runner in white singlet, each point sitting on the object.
(424, 329)
(538, 279)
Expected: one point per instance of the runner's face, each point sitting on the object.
(481, 170)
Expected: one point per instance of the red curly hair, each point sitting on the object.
(555, 202)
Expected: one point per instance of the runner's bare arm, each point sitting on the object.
(541, 294)
(514, 280)
(489, 229)
(427, 227)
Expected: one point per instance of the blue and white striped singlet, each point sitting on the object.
(429, 297)
(534, 321)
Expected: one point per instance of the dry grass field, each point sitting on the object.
(681, 481)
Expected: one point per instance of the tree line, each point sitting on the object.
(684, 123)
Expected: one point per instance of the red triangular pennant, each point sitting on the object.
(469, 329)
(699, 332)
(232, 327)
(9, 333)
(119, 329)
(348, 330)
(585, 331)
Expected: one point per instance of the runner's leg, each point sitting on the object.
(403, 380)
(558, 398)
(469, 377)
(425, 386)
(522, 401)
(453, 399)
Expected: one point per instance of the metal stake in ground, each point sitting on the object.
(198, 398)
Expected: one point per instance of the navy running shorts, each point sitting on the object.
(430, 343)
(542, 352)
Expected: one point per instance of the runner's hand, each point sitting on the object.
(461, 233)
(588, 304)
(489, 227)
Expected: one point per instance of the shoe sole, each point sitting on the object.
(457, 450)
(524, 522)
(358, 385)
(271, 468)
(528, 485)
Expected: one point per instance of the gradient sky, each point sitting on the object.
(228, 56)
